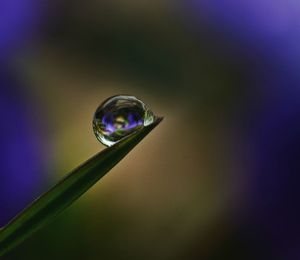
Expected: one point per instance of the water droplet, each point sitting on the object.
(120, 116)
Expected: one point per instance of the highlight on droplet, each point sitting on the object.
(120, 116)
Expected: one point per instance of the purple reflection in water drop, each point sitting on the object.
(118, 117)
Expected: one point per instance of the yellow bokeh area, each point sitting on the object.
(176, 187)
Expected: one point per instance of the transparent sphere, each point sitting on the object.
(120, 116)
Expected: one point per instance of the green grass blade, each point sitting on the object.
(64, 193)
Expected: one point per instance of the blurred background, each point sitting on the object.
(216, 180)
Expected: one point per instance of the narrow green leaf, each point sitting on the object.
(64, 193)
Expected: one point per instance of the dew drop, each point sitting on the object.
(120, 116)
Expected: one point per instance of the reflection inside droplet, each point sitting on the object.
(120, 116)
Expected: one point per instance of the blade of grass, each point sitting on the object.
(64, 193)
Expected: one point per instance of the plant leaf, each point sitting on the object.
(45, 208)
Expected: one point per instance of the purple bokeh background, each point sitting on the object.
(270, 31)
(270, 25)
(22, 160)
(18, 21)
(22, 157)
